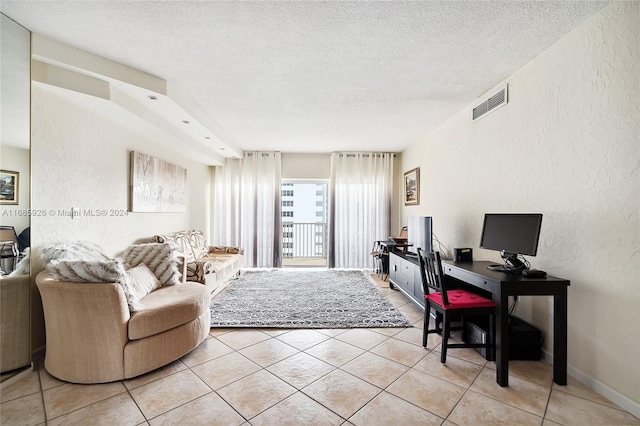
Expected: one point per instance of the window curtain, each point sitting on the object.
(359, 207)
(246, 210)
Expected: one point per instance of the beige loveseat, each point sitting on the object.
(210, 265)
(92, 337)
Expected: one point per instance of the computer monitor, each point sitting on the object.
(512, 234)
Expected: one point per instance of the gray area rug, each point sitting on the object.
(304, 299)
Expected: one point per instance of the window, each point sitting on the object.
(287, 192)
(287, 214)
(287, 203)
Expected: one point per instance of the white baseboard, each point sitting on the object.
(612, 395)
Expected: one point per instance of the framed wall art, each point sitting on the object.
(9, 185)
(412, 187)
(156, 185)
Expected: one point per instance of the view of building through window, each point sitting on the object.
(304, 223)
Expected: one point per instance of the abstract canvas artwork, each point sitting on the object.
(156, 185)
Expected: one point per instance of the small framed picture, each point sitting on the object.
(412, 187)
(9, 187)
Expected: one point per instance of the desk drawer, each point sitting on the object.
(473, 279)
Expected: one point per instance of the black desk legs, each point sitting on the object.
(502, 340)
(560, 337)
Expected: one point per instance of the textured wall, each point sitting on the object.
(82, 160)
(566, 145)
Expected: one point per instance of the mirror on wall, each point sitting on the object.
(15, 198)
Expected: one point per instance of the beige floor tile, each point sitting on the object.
(410, 335)
(520, 393)
(332, 332)
(207, 410)
(300, 370)
(168, 393)
(400, 351)
(576, 388)
(25, 411)
(388, 331)
(224, 370)
(375, 369)
(388, 409)
(216, 331)
(397, 300)
(362, 338)
(341, 392)
(69, 397)
(467, 354)
(411, 312)
(243, 337)
(538, 372)
(161, 372)
(26, 386)
(268, 352)
(117, 410)
(255, 393)
(435, 395)
(475, 409)
(47, 381)
(210, 349)
(298, 409)
(419, 324)
(335, 352)
(456, 371)
(568, 409)
(274, 331)
(303, 339)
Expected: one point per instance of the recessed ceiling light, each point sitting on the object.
(153, 97)
(221, 149)
(207, 137)
(186, 121)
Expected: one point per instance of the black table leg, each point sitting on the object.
(560, 337)
(502, 340)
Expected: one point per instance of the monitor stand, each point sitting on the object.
(512, 265)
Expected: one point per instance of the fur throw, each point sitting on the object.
(79, 250)
(95, 271)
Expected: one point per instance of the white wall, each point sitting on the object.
(566, 145)
(82, 160)
(16, 160)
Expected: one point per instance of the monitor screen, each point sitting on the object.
(513, 233)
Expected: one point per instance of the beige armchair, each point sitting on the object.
(209, 265)
(93, 338)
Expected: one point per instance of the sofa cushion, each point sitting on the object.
(161, 258)
(167, 308)
(142, 280)
(224, 264)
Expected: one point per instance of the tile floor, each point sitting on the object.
(316, 377)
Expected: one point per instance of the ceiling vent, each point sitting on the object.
(491, 104)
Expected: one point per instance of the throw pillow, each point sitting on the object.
(142, 280)
(108, 271)
(161, 258)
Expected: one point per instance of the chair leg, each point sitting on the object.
(445, 337)
(425, 327)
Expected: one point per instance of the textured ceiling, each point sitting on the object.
(314, 76)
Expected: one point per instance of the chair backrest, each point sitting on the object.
(431, 273)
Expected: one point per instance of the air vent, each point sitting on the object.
(491, 104)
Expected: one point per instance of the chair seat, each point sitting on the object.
(461, 299)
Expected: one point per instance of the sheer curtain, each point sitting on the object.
(359, 206)
(246, 208)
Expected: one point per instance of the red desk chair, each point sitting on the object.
(450, 304)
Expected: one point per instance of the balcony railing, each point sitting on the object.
(304, 243)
